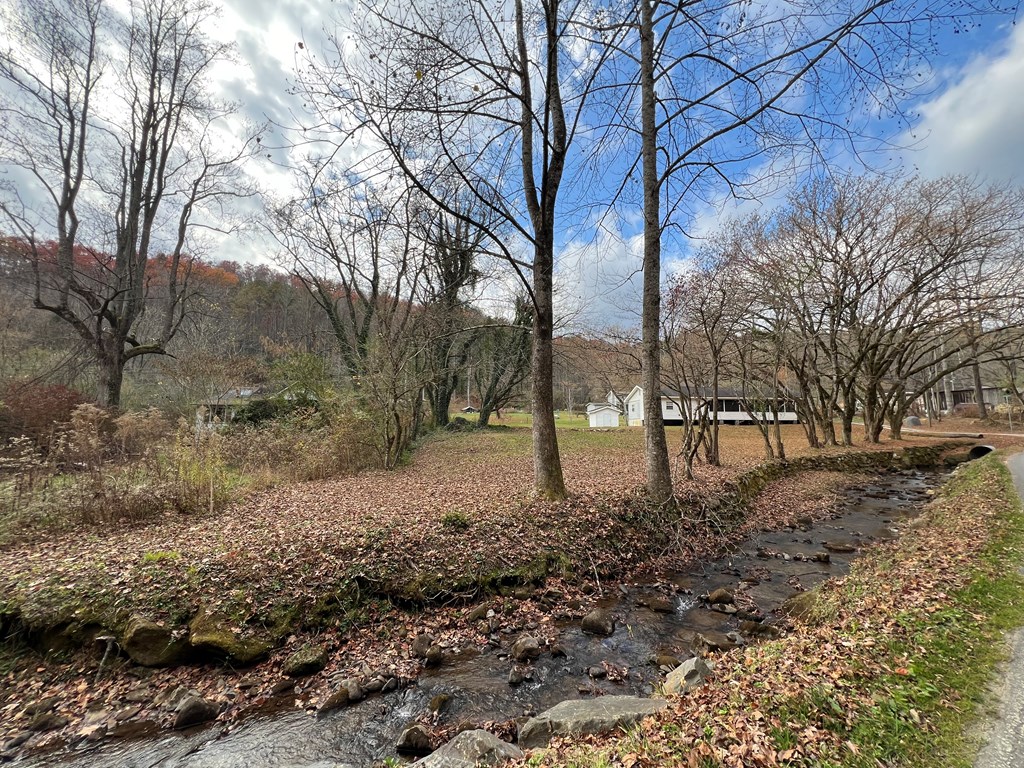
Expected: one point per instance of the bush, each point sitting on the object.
(966, 410)
(37, 411)
(258, 412)
(111, 471)
(85, 481)
(307, 445)
(455, 520)
(142, 434)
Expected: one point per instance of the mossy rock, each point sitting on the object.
(801, 606)
(308, 660)
(212, 632)
(66, 636)
(151, 644)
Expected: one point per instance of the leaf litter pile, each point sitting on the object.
(867, 679)
(333, 559)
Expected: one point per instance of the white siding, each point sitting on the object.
(604, 417)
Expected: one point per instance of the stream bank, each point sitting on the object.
(731, 600)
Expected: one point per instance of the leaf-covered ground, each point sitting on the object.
(456, 516)
(889, 672)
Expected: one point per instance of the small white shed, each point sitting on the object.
(603, 415)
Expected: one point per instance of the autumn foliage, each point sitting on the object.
(36, 410)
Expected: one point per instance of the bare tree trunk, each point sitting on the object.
(547, 465)
(659, 471)
(979, 390)
(713, 454)
(111, 379)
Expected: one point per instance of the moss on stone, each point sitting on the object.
(212, 632)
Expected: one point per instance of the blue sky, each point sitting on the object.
(970, 120)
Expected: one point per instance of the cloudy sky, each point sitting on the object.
(970, 121)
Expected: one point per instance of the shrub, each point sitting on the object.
(258, 412)
(142, 434)
(36, 411)
(307, 445)
(966, 410)
(455, 520)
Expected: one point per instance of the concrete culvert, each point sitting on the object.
(979, 450)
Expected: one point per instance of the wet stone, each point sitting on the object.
(48, 721)
(721, 596)
(336, 700)
(194, 710)
(526, 648)
(470, 749)
(661, 605)
(414, 741)
(308, 660)
(599, 622)
(839, 547)
(421, 645)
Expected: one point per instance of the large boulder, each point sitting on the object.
(687, 676)
(599, 622)
(582, 716)
(212, 632)
(470, 749)
(308, 660)
(151, 644)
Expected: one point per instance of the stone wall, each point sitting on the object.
(745, 488)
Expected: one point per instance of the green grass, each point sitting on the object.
(563, 419)
(955, 651)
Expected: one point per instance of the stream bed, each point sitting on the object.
(762, 571)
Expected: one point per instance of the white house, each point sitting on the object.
(731, 408)
(603, 415)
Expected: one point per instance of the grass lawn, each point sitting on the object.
(563, 419)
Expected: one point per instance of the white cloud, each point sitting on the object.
(598, 280)
(976, 125)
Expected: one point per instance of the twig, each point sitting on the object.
(110, 639)
(597, 578)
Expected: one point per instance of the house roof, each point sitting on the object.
(595, 407)
(702, 392)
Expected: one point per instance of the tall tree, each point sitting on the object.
(732, 94)
(127, 162)
(489, 99)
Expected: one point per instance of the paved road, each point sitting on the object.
(1005, 745)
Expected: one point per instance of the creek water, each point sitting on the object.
(764, 570)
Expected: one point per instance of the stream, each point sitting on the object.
(764, 570)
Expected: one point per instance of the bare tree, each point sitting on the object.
(361, 255)
(733, 94)
(126, 160)
(489, 99)
(502, 361)
(452, 270)
(885, 287)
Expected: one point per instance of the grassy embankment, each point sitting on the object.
(891, 669)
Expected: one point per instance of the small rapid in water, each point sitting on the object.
(762, 571)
